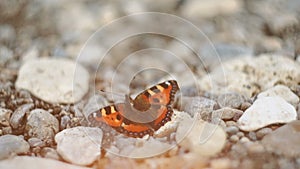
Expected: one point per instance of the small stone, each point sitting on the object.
(232, 100)
(42, 125)
(266, 111)
(240, 134)
(252, 136)
(6, 130)
(64, 121)
(5, 116)
(54, 80)
(244, 140)
(198, 105)
(255, 148)
(281, 91)
(225, 113)
(221, 163)
(36, 142)
(262, 132)
(231, 123)
(284, 140)
(17, 118)
(234, 138)
(200, 137)
(11, 145)
(87, 148)
(232, 130)
(245, 106)
(26, 162)
(48, 152)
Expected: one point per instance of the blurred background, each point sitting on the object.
(59, 28)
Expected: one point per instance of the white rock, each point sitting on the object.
(266, 111)
(203, 138)
(225, 81)
(79, 145)
(172, 125)
(54, 80)
(284, 140)
(138, 147)
(26, 162)
(150, 148)
(11, 145)
(281, 91)
(249, 75)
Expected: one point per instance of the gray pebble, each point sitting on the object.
(262, 132)
(41, 124)
(35, 142)
(252, 136)
(244, 140)
(233, 100)
(17, 117)
(240, 134)
(11, 145)
(231, 123)
(4, 116)
(6, 130)
(225, 113)
(245, 106)
(232, 130)
(48, 152)
(234, 138)
(64, 121)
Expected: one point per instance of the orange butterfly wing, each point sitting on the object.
(155, 101)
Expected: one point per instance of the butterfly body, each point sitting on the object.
(143, 115)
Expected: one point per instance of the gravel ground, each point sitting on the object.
(236, 62)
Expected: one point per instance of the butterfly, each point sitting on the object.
(143, 115)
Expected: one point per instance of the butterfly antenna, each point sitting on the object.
(110, 92)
